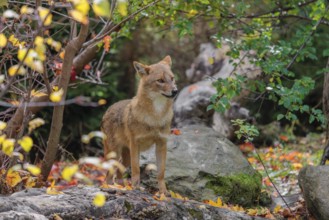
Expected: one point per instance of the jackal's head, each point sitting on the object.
(157, 79)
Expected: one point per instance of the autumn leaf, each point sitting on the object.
(26, 143)
(8, 146)
(102, 102)
(161, 198)
(191, 88)
(252, 212)
(3, 125)
(13, 178)
(79, 17)
(177, 196)
(51, 190)
(122, 7)
(277, 209)
(10, 14)
(16, 69)
(176, 131)
(107, 43)
(35, 123)
(218, 203)
(69, 171)
(56, 96)
(45, 16)
(192, 13)
(37, 93)
(30, 182)
(284, 138)
(99, 199)
(102, 8)
(33, 169)
(26, 10)
(3, 40)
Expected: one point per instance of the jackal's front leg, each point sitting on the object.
(161, 154)
(134, 160)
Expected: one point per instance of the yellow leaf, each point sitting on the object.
(79, 17)
(54, 44)
(122, 7)
(161, 198)
(37, 93)
(38, 41)
(192, 12)
(102, 8)
(69, 171)
(211, 60)
(3, 40)
(252, 212)
(277, 209)
(33, 169)
(37, 66)
(62, 54)
(8, 146)
(99, 199)
(53, 191)
(13, 40)
(297, 166)
(13, 70)
(101, 102)
(30, 182)
(13, 178)
(45, 16)
(26, 143)
(35, 123)
(2, 138)
(3, 125)
(19, 155)
(216, 204)
(81, 6)
(56, 96)
(26, 10)
(176, 196)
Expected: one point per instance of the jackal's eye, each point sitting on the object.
(160, 81)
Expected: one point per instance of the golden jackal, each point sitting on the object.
(134, 125)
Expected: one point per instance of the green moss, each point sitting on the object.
(196, 214)
(242, 189)
(128, 206)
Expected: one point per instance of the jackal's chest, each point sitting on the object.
(145, 140)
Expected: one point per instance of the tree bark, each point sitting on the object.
(325, 104)
(57, 120)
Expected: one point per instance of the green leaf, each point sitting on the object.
(279, 117)
(325, 53)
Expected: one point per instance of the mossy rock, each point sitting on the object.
(242, 189)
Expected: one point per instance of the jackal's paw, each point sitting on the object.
(165, 192)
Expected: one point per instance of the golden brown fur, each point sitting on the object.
(134, 125)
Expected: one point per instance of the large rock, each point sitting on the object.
(203, 165)
(190, 108)
(77, 203)
(314, 184)
(191, 104)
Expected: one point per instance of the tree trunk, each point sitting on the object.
(57, 120)
(325, 103)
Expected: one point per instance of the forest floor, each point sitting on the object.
(279, 165)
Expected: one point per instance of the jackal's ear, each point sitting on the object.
(141, 68)
(167, 60)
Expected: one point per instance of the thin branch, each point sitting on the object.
(117, 26)
(307, 39)
(79, 100)
(265, 169)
